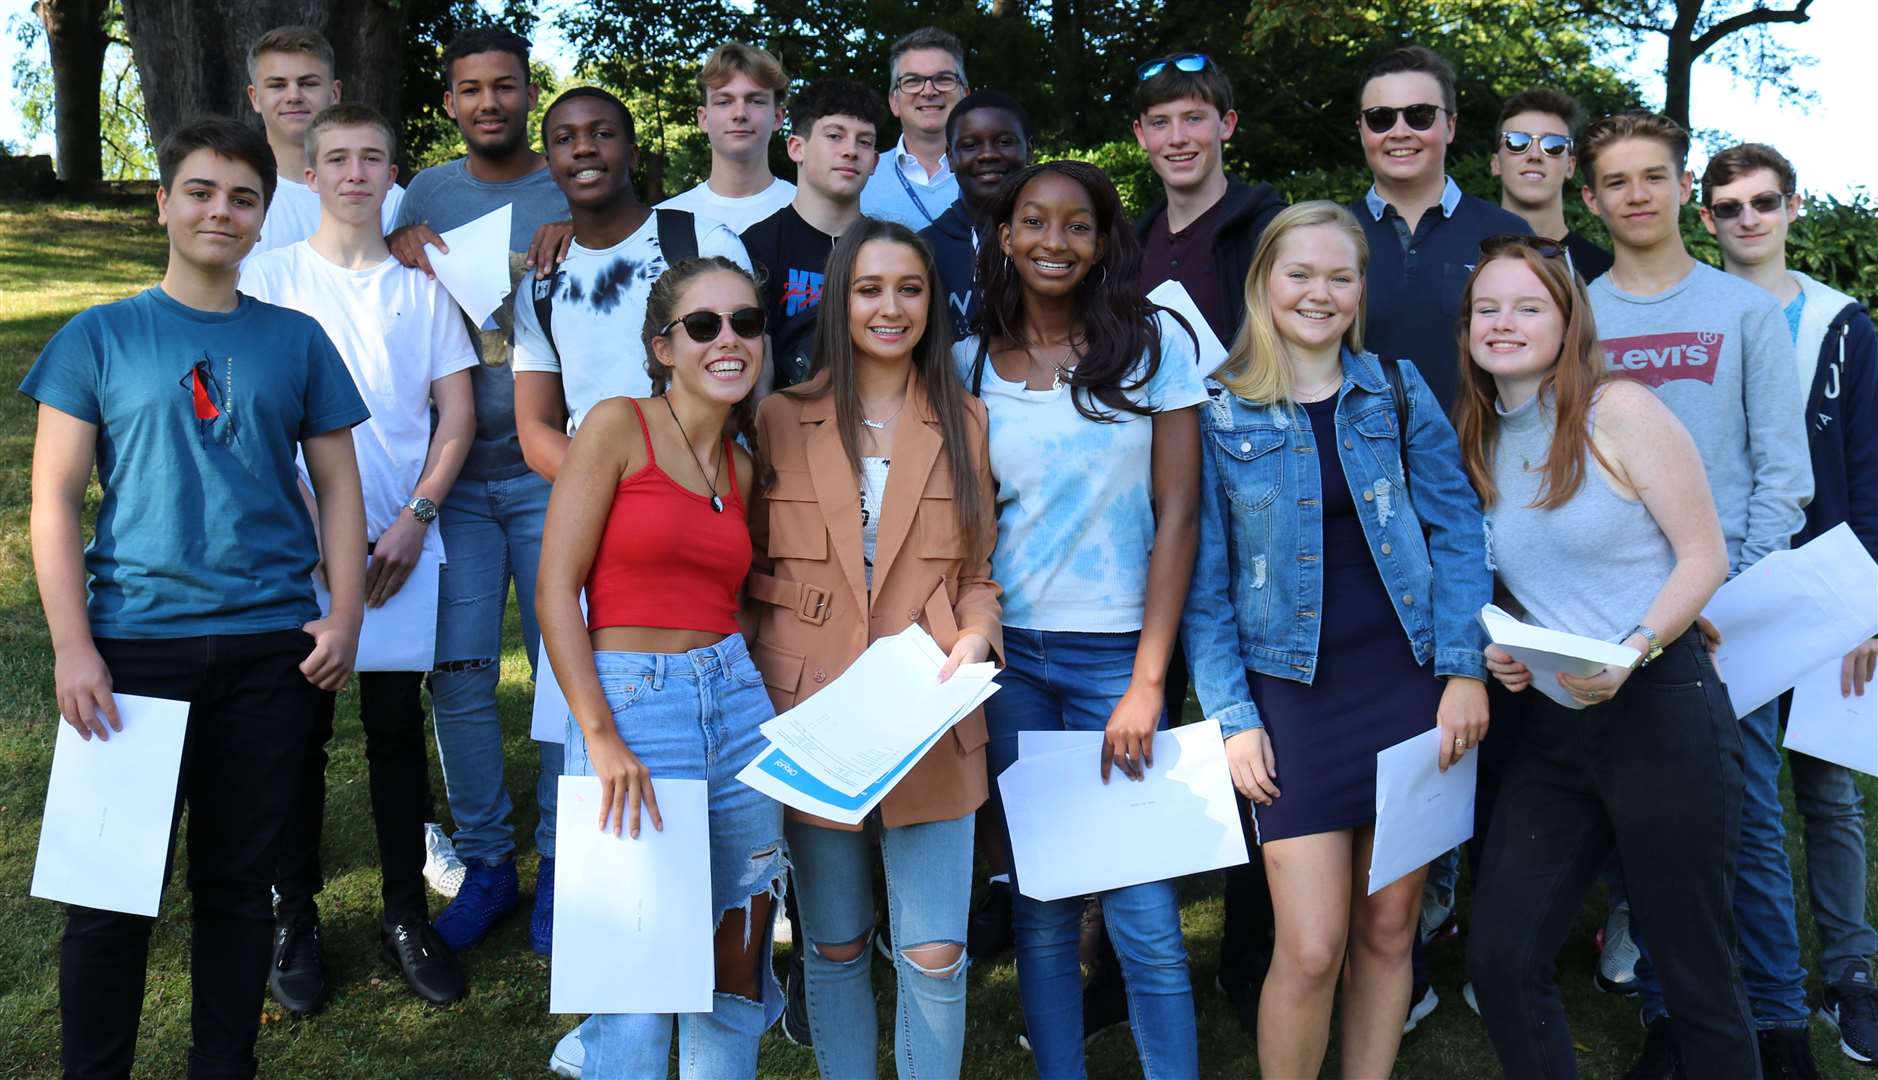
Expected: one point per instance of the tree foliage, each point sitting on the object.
(125, 152)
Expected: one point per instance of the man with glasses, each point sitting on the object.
(1750, 197)
(913, 184)
(1424, 234)
(1534, 157)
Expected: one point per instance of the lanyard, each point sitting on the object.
(911, 194)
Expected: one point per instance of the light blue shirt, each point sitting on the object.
(901, 190)
(1450, 198)
(1075, 513)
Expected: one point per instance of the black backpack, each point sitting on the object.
(678, 241)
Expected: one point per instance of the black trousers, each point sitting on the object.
(392, 713)
(1656, 772)
(251, 713)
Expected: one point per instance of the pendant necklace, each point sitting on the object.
(881, 425)
(717, 502)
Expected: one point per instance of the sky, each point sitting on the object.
(1830, 140)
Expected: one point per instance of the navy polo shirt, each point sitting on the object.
(1416, 278)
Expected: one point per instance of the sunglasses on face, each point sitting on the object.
(1765, 203)
(1539, 245)
(703, 326)
(1381, 118)
(1518, 142)
(944, 83)
(1188, 61)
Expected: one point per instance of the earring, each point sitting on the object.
(1104, 267)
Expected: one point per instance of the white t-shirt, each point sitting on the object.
(295, 214)
(1075, 512)
(600, 312)
(739, 213)
(397, 332)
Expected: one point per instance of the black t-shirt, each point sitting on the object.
(1187, 256)
(790, 255)
(1590, 260)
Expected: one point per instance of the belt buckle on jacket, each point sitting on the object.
(814, 606)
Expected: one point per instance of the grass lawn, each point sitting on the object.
(56, 260)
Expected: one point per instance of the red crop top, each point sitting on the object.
(666, 558)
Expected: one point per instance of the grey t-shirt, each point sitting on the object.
(443, 197)
(1715, 349)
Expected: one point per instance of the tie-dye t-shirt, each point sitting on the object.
(1075, 517)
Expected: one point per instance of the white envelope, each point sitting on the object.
(476, 269)
(633, 917)
(1551, 653)
(105, 829)
(1421, 812)
(1842, 730)
(1072, 835)
(401, 635)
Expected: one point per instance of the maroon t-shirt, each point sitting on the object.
(1187, 257)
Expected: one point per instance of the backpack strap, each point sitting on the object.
(545, 288)
(978, 363)
(678, 235)
(1393, 369)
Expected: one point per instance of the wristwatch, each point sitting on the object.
(425, 512)
(1649, 635)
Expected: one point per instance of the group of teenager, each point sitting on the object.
(719, 446)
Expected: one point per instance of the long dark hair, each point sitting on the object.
(833, 352)
(662, 308)
(1115, 322)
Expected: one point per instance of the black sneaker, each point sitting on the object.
(1659, 1059)
(795, 1017)
(297, 978)
(1851, 1011)
(1787, 1054)
(1243, 996)
(989, 932)
(427, 964)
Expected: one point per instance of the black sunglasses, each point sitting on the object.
(1381, 118)
(1765, 203)
(1518, 142)
(1539, 245)
(1188, 62)
(703, 326)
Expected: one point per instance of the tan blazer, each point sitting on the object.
(809, 593)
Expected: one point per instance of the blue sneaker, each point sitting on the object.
(489, 894)
(541, 924)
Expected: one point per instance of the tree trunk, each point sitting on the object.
(75, 31)
(192, 55)
(1676, 80)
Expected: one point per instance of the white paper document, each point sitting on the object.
(633, 917)
(1072, 835)
(1172, 294)
(476, 269)
(105, 830)
(548, 721)
(1842, 730)
(1033, 743)
(1790, 613)
(1421, 811)
(1551, 653)
(401, 635)
(888, 702)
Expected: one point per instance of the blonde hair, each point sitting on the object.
(734, 58)
(1257, 368)
(290, 39)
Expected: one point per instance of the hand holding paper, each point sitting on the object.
(1548, 654)
(476, 268)
(1420, 810)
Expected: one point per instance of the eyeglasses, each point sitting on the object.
(1381, 118)
(1765, 203)
(1189, 62)
(1518, 142)
(703, 326)
(1538, 245)
(944, 83)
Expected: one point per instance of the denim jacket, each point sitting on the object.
(1258, 580)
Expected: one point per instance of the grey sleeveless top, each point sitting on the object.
(1591, 566)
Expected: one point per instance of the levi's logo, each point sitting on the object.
(1655, 359)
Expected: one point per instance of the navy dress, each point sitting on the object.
(1368, 693)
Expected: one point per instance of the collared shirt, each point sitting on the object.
(902, 190)
(913, 170)
(1450, 200)
(1188, 257)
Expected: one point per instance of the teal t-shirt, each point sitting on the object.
(1793, 311)
(199, 414)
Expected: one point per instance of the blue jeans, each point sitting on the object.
(1066, 681)
(1766, 932)
(1829, 802)
(695, 716)
(491, 536)
(929, 890)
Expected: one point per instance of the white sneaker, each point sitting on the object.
(1420, 1010)
(1617, 962)
(783, 934)
(568, 1057)
(442, 869)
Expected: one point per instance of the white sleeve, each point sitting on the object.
(718, 239)
(533, 350)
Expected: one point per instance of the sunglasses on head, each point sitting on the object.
(1539, 245)
(1765, 203)
(1381, 118)
(703, 326)
(1188, 61)
(1518, 142)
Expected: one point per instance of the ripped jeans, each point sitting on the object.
(929, 885)
(695, 716)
